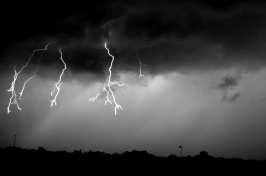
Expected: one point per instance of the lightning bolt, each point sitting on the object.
(13, 98)
(22, 90)
(110, 83)
(107, 86)
(59, 83)
(104, 85)
(140, 74)
(103, 90)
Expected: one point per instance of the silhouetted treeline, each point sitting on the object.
(133, 161)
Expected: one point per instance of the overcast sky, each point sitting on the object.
(203, 86)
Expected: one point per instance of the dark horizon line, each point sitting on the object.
(202, 155)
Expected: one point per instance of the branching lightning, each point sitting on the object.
(107, 85)
(22, 90)
(103, 90)
(59, 83)
(104, 86)
(13, 98)
(56, 88)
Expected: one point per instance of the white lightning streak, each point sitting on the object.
(109, 84)
(140, 74)
(59, 83)
(22, 90)
(117, 106)
(13, 98)
(104, 86)
(103, 89)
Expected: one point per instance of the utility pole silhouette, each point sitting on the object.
(181, 151)
(15, 141)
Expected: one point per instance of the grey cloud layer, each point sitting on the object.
(169, 36)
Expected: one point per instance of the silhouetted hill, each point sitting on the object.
(20, 160)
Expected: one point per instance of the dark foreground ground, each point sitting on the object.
(38, 162)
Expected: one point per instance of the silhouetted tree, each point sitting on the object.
(41, 149)
(204, 154)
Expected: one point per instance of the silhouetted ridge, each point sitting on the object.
(134, 160)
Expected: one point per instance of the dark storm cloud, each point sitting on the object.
(169, 35)
(228, 82)
(177, 21)
(228, 86)
(182, 36)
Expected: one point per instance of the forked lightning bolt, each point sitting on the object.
(103, 90)
(22, 90)
(13, 98)
(140, 74)
(59, 83)
(104, 85)
(109, 83)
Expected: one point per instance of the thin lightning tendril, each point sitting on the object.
(59, 83)
(103, 90)
(102, 61)
(140, 74)
(22, 90)
(104, 85)
(13, 98)
(109, 83)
